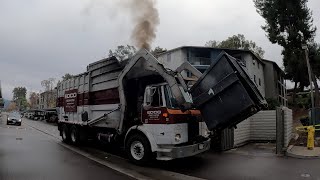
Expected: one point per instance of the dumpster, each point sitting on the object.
(225, 94)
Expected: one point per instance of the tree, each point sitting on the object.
(212, 43)
(289, 24)
(19, 97)
(19, 92)
(314, 57)
(67, 76)
(123, 52)
(12, 107)
(237, 42)
(1, 103)
(1, 99)
(48, 84)
(48, 94)
(273, 103)
(158, 50)
(34, 99)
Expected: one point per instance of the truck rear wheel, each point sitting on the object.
(65, 134)
(138, 149)
(75, 135)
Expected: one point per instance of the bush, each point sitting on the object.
(272, 103)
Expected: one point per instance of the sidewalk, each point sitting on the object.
(303, 152)
(50, 129)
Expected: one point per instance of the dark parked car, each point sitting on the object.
(52, 116)
(39, 115)
(14, 118)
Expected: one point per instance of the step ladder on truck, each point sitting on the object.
(150, 110)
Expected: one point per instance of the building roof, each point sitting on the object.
(275, 65)
(228, 50)
(53, 91)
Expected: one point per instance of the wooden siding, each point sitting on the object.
(262, 126)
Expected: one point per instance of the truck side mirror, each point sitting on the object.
(148, 98)
(148, 95)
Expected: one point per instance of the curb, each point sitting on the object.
(45, 132)
(300, 156)
(291, 154)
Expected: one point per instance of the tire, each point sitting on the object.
(65, 134)
(75, 135)
(138, 149)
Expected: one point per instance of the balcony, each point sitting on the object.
(199, 61)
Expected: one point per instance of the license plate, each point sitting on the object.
(200, 146)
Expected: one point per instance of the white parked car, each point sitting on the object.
(29, 115)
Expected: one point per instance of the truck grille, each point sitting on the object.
(193, 129)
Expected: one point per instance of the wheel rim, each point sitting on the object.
(137, 150)
(64, 134)
(73, 135)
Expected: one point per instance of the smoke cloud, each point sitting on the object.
(145, 17)
(143, 14)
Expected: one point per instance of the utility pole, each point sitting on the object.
(305, 48)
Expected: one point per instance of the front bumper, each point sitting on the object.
(13, 122)
(169, 153)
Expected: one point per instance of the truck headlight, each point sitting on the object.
(177, 137)
(19, 120)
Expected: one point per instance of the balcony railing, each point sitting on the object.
(199, 61)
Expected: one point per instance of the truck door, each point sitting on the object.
(153, 106)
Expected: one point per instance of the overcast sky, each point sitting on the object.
(40, 39)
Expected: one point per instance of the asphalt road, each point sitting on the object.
(26, 153)
(248, 162)
(243, 165)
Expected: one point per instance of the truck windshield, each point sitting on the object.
(171, 100)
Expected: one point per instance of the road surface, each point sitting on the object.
(26, 153)
(249, 162)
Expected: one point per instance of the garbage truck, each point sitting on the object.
(152, 111)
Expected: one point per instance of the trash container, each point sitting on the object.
(225, 94)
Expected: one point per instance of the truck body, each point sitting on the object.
(144, 107)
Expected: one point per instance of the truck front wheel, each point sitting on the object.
(65, 134)
(138, 149)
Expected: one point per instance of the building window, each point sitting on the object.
(199, 61)
(254, 78)
(258, 65)
(253, 61)
(259, 82)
